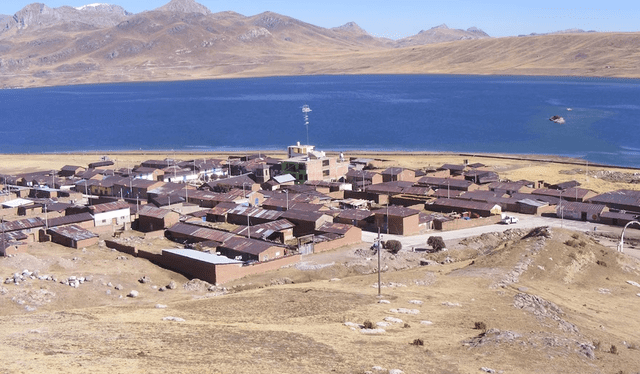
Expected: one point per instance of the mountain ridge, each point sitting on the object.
(190, 43)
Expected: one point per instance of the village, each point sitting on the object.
(230, 218)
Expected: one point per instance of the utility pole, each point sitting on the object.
(379, 249)
(3, 238)
(387, 214)
(561, 211)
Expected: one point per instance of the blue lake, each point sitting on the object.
(390, 112)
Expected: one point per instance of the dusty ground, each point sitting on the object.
(599, 179)
(557, 304)
(554, 304)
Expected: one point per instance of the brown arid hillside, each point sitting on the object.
(42, 46)
(547, 301)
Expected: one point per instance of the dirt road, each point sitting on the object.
(525, 222)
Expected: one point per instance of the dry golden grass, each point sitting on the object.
(298, 328)
(586, 55)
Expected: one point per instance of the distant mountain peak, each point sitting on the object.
(185, 6)
(443, 27)
(89, 6)
(351, 27)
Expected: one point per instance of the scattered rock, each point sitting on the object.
(416, 302)
(384, 302)
(378, 368)
(492, 336)
(389, 284)
(161, 306)
(487, 370)
(426, 323)
(3, 291)
(108, 292)
(172, 285)
(162, 289)
(144, 279)
(446, 303)
(425, 262)
(634, 283)
(542, 309)
(133, 293)
(281, 281)
(383, 324)
(404, 311)
(196, 285)
(351, 324)
(335, 280)
(393, 319)
(118, 287)
(587, 350)
(396, 371)
(173, 319)
(372, 331)
(109, 284)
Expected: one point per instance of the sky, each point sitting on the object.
(400, 18)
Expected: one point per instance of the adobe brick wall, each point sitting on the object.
(353, 236)
(121, 247)
(155, 258)
(227, 273)
(189, 267)
(458, 224)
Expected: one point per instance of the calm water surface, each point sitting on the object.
(424, 112)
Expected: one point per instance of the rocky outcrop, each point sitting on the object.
(38, 16)
(557, 119)
(185, 6)
(441, 34)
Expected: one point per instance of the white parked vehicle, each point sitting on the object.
(507, 220)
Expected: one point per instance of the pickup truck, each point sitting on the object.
(507, 220)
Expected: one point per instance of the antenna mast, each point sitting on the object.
(305, 113)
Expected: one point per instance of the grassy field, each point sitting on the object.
(576, 311)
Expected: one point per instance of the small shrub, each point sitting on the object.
(575, 236)
(393, 246)
(601, 263)
(596, 343)
(417, 342)
(572, 243)
(633, 346)
(436, 242)
(406, 325)
(613, 350)
(480, 326)
(367, 324)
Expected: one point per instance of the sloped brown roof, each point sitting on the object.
(357, 214)
(109, 207)
(74, 232)
(201, 233)
(251, 246)
(68, 220)
(397, 211)
(335, 228)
